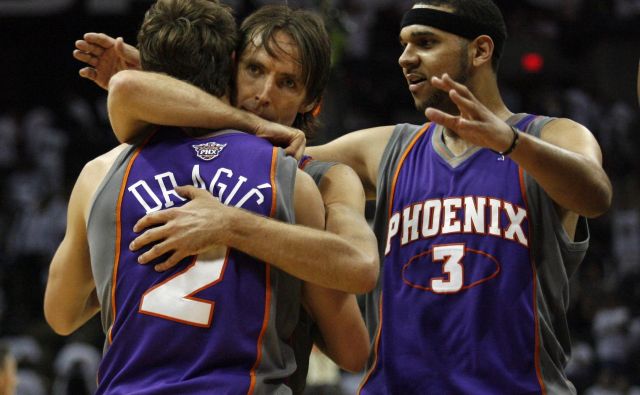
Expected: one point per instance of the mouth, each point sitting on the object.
(416, 81)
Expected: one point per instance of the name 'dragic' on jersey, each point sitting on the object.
(223, 184)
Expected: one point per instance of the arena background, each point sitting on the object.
(570, 58)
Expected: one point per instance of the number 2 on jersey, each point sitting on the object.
(173, 300)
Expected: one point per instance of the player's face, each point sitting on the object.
(430, 52)
(271, 87)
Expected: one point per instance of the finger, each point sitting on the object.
(297, 146)
(442, 118)
(155, 252)
(462, 89)
(88, 73)
(190, 192)
(85, 57)
(159, 217)
(84, 46)
(173, 260)
(149, 237)
(101, 39)
(466, 106)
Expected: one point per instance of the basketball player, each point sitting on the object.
(283, 66)
(220, 322)
(480, 219)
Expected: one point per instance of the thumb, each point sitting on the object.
(127, 52)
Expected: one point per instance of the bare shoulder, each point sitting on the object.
(92, 175)
(341, 184)
(308, 202)
(572, 136)
(362, 150)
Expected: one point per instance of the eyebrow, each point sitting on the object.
(419, 34)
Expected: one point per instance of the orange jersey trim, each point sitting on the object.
(267, 307)
(376, 347)
(390, 200)
(400, 163)
(119, 235)
(523, 191)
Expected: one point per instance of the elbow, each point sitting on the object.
(368, 277)
(356, 360)
(122, 83)
(601, 201)
(58, 323)
(124, 92)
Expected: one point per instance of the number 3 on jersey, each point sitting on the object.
(452, 255)
(173, 300)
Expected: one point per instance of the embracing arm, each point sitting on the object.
(70, 298)
(138, 99)
(361, 150)
(344, 336)
(312, 255)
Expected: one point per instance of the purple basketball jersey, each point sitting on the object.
(200, 327)
(457, 310)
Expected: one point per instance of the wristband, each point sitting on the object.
(516, 137)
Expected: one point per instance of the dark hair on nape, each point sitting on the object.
(192, 40)
(483, 11)
(308, 31)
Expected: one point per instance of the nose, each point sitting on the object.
(408, 58)
(263, 96)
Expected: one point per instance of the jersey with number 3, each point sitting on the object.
(213, 323)
(475, 272)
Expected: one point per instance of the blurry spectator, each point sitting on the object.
(625, 230)
(8, 371)
(76, 367)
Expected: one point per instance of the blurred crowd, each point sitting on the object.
(589, 53)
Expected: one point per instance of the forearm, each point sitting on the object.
(344, 335)
(68, 304)
(574, 181)
(138, 99)
(312, 255)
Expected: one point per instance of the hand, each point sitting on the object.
(476, 124)
(184, 231)
(105, 56)
(292, 140)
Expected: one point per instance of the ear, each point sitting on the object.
(306, 107)
(482, 48)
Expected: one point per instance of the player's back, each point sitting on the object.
(213, 324)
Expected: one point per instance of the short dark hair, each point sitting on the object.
(484, 11)
(310, 35)
(192, 40)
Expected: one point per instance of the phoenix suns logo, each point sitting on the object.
(208, 151)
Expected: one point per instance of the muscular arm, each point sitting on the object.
(139, 98)
(312, 255)
(361, 150)
(565, 161)
(70, 298)
(345, 337)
